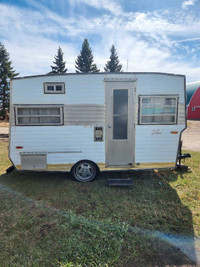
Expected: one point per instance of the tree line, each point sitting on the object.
(7, 72)
(85, 61)
(83, 64)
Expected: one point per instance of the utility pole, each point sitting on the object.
(127, 66)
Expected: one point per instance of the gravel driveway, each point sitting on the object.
(4, 130)
(191, 136)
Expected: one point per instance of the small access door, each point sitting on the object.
(120, 137)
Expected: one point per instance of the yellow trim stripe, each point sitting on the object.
(102, 166)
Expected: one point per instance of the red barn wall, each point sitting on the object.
(193, 110)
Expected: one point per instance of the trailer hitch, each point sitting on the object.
(181, 156)
(184, 156)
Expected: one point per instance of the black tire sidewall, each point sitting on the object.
(73, 172)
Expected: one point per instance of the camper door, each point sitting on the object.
(120, 136)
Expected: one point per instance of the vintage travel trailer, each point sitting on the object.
(86, 123)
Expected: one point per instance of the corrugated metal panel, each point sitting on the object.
(33, 161)
(161, 84)
(86, 89)
(61, 139)
(148, 84)
(155, 143)
(84, 115)
(191, 89)
(79, 115)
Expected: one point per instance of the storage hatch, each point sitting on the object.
(33, 161)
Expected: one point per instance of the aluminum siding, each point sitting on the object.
(161, 147)
(88, 90)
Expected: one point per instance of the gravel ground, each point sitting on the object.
(4, 123)
(4, 130)
(191, 136)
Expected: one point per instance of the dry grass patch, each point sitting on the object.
(49, 219)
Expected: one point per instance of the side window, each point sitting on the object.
(39, 115)
(54, 88)
(158, 109)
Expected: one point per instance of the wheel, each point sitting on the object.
(84, 171)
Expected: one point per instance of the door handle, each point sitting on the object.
(109, 125)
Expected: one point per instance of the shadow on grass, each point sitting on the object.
(151, 208)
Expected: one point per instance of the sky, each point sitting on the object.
(149, 35)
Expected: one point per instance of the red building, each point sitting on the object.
(193, 101)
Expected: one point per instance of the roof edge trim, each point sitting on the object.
(97, 73)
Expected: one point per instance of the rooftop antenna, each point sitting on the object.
(127, 66)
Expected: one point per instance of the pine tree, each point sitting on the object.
(6, 73)
(113, 64)
(59, 63)
(84, 62)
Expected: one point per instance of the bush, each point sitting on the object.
(3, 114)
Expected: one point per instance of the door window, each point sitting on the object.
(120, 113)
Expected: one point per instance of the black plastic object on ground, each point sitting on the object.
(10, 169)
(182, 168)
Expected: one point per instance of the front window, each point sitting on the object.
(158, 109)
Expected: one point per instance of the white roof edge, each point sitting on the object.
(97, 73)
(193, 83)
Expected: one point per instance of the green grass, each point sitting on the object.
(47, 219)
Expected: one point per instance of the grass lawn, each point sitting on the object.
(47, 219)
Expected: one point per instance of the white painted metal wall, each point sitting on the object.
(77, 142)
(159, 147)
(79, 89)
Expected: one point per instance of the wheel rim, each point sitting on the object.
(84, 171)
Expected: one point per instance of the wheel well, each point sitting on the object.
(97, 167)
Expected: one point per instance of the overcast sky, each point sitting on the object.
(153, 35)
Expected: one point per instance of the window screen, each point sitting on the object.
(158, 110)
(39, 115)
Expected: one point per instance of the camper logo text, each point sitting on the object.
(156, 132)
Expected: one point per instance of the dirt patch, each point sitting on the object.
(4, 130)
(191, 136)
(4, 123)
(4, 137)
(45, 229)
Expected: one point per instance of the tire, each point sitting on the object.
(84, 171)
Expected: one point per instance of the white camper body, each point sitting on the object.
(115, 121)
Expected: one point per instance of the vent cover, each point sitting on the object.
(98, 134)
